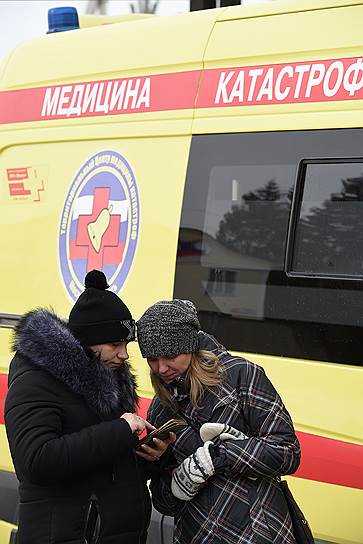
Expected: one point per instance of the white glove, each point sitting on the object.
(210, 431)
(192, 473)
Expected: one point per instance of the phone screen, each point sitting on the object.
(172, 426)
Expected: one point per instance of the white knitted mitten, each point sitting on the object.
(192, 473)
(210, 431)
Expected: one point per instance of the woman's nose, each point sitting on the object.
(163, 366)
(122, 353)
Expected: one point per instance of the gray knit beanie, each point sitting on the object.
(168, 328)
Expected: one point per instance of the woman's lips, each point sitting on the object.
(115, 365)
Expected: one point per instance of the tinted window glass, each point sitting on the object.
(233, 236)
(247, 210)
(235, 219)
(329, 232)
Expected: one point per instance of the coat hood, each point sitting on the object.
(47, 343)
(209, 343)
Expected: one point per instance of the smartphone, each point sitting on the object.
(171, 426)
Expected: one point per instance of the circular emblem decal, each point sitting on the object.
(100, 222)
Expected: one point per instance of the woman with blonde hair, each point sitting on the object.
(221, 481)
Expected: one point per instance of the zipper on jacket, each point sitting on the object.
(92, 522)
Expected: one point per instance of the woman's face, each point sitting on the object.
(170, 368)
(112, 355)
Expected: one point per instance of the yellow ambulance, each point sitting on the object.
(215, 156)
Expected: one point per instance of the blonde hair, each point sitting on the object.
(204, 371)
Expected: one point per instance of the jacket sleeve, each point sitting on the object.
(41, 453)
(162, 497)
(273, 448)
(150, 469)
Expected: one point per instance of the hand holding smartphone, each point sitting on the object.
(171, 426)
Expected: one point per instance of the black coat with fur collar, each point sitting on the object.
(73, 455)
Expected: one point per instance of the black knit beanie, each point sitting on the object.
(100, 316)
(168, 328)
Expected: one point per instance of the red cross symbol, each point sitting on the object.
(110, 250)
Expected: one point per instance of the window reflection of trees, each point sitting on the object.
(257, 227)
(329, 238)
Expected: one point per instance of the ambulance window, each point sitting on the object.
(328, 236)
(232, 258)
(247, 212)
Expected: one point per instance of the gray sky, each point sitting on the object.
(25, 19)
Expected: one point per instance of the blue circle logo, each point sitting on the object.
(100, 222)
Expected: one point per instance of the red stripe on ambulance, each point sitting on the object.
(108, 97)
(314, 81)
(299, 82)
(3, 391)
(331, 461)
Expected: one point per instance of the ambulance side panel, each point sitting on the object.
(51, 160)
(45, 164)
(243, 139)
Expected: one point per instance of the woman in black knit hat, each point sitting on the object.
(221, 480)
(71, 426)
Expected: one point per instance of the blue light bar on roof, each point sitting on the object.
(61, 19)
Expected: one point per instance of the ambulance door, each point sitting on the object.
(277, 145)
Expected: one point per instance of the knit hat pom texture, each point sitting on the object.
(96, 279)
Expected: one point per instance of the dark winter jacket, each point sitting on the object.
(73, 455)
(242, 502)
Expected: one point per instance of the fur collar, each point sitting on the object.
(46, 341)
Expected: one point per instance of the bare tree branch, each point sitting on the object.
(144, 6)
(96, 6)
